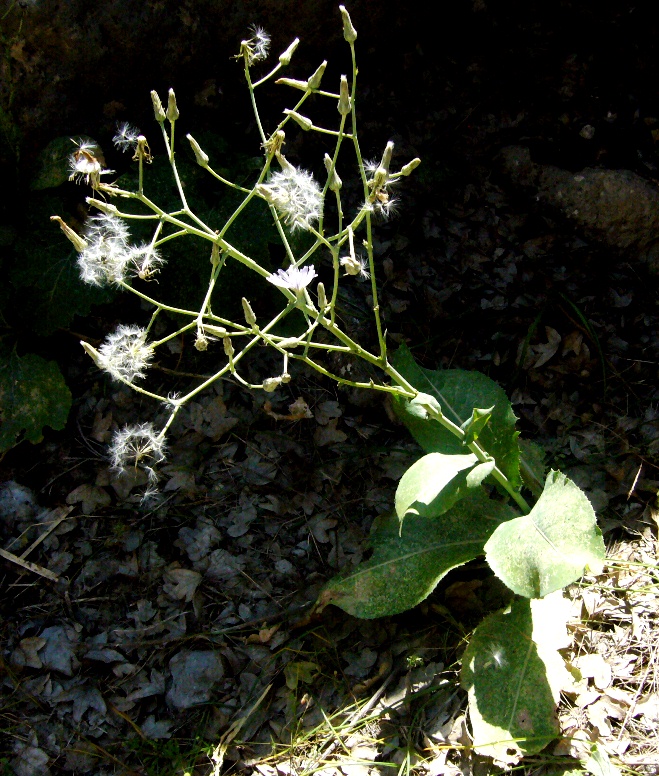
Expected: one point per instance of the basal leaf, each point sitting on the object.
(552, 546)
(405, 567)
(33, 394)
(513, 675)
(458, 392)
(432, 485)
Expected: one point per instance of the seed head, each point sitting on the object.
(106, 258)
(137, 446)
(126, 137)
(296, 196)
(255, 49)
(125, 353)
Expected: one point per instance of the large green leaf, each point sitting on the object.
(405, 567)
(513, 674)
(552, 546)
(433, 484)
(33, 394)
(458, 393)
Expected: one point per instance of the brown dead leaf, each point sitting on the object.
(329, 434)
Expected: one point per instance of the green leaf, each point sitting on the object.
(552, 546)
(300, 671)
(598, 763)
(532, 465)
(33, 394)
(431, 485)
(458, 392)
(476, 423)
(406, 567)
(513, 674)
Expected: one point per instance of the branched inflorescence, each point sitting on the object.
(298, 201)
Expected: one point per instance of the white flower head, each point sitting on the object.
(137, 446)
(255, 49)
(84, 164)
(296, 196)
(126, 137)
(125, 353)
(296, 279)
(107, 256)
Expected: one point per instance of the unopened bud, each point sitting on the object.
(78, 242)
(316, 78)
(105, 207)
(407, 169)
(172, 108)
(217, 331)
(298, 118)
(90, 351)
(271, 384)
(201, 342)
(285, 378)
(386, 156)
(158, 110)
(349, 32)
(294, 83)
(249, 313)
(322, 298)
(344, 97)
(228, 347)
(285, 58)
(335, 182)
(200, 156)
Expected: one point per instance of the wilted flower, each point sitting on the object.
(125, 353)
(257, 47)
(355, 265)
(296, 196)
(296, 279)
(84, 164)
(126, 137)
(137, 446)
(107, 255)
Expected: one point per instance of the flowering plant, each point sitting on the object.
(467, 496)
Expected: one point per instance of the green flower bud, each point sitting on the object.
(349, 32)
(298, 118)
(302, 85)
(344, 97)
(158, 110)
(172, 109)
(200, 156)
(316, 78)
(407, 169)
(78, 242)
(285, 58)
(335, 182)
(249, 313)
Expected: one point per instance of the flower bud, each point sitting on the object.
(335, 182)
(172, 108)
(314, 81)
(285, 378)
(302, 85)
(386, 156)
(344, 97)
(78, 242)
(217, 331)
(285, 58)
(228, 347)
(105, 207)
(249, 313)
(322, 298)
(90, 351)
(200, 156)
(407, 169)
(298, 118)
(349, 32)
(158, 110)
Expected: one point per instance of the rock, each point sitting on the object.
(615, 208)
